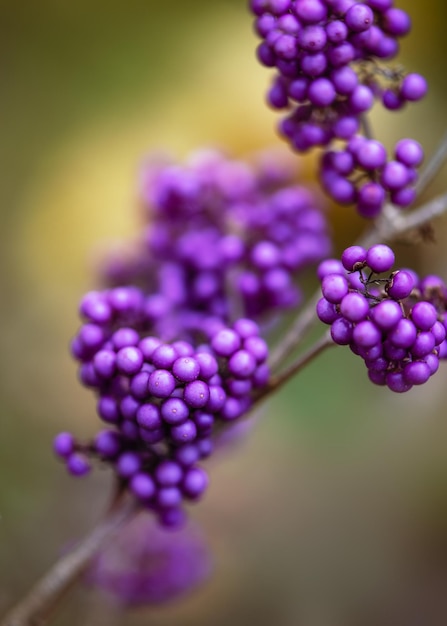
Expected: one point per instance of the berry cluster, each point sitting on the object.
(146, 565)
(163, 400)
(362, 174)
(222, 237)
(329, 56)
(163, 344)
(396, 323)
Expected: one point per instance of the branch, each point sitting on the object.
(281, 379)
(433, 166)
(35, 608)
(304, 322)
(392, 223)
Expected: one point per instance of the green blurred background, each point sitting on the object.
(335, 509)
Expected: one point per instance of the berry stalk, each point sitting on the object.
(37, 606)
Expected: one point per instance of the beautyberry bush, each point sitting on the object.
(175, 342)
(186, 332)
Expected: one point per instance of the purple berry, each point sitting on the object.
(194, 482)
(142, 486)
(161, 383)
(380, 258)
(401, 285)
(334, 288)
(414, 87)
(354, 307)
(366, 334)
(78, 465)
(416, 373)
(359, 17)
(353, 257)
(424, 315)
(196, 394)
(64, 445)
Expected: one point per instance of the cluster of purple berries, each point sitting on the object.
(360, 173)
(147, 565)
(396, 323)
(222, 237)
(160, 345)
(163, 401)
(329, 57)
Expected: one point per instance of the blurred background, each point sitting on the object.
(334, 511)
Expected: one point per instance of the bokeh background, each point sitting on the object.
(334, 511)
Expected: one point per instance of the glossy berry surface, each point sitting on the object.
(393, 320)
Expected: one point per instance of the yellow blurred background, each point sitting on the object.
(335, 510)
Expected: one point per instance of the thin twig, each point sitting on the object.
(427, 212)
(278, 381)
(433, 166)
(396, 223)
(35, 608)
(292, 338)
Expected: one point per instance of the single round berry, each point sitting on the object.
(217, 398)
(371, 155)
(129, 407)
(207, 365)
(148, 345)
(401, 285)
(327, 311)
(184, 433)
(161, 383)
(194, 482)
(129, 360)
(174, 411)
(403, 335)
(138, 385)
(353, 257)
(366, 334)
(242, 364)
(128, 464)
(124, 338)
(196, 394)
(168, 473)
(396, 22)
(149, 416)
(424, 344)
(359, 17)
(330, 266)
(394, 176)
(78, 465)
(424, 315)
(186, 369)
(416, 373)
(334, 288)
(142, 486)
(397, 382)
(64, 445)
(354, 307)
(104, 363)
(108, 443)
(225, 342)
(164, 356)
(414, 87)
(386, 314)
(321, 92)
(341, 331)
(380, 258)
(107, 408)
(409, 152)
